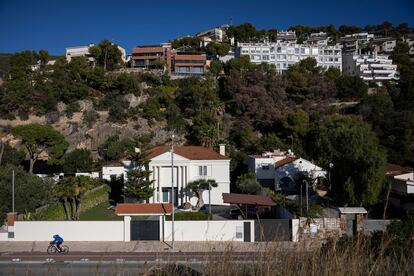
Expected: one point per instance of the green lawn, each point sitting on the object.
(100, 212)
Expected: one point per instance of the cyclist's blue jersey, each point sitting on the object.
(58, 239)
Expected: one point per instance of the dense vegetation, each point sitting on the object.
(249, 107)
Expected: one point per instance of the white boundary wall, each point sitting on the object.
(204, 230)
(69, 230)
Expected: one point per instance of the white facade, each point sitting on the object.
(376, 68)
(403, 183)
(273, 168)
(384, 45)
(285, 54)
(185, 171)
(79, 51)
(409, 39)
(83, 51)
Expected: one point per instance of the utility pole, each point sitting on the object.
(13, 191)
(209, 200)
(172, 190)
(307, 197)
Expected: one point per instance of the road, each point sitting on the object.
(115, 263)
(126, 257)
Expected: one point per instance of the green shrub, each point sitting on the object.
(55, 210)
(189, 216)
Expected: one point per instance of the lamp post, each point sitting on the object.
(172, 190)
(307, 196)
(13, 191)
(209, 200)
(329, 176)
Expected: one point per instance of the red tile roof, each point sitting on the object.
(248, 199)
(285, 161)
(143, 209)
(189, 152)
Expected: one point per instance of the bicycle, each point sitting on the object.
(52, 249)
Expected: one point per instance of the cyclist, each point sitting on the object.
(58, 241)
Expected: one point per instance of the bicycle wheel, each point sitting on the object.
(65, 249)
(51, 249)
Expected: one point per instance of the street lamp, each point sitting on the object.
(172, 190)
(307, 196)
(329, 176)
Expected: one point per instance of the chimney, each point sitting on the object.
(223, 149)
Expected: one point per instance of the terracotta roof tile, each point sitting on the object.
(189, 152)
(248, 199)
(144, 209)
(285, 161)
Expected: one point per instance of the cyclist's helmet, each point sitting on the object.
(55, 235)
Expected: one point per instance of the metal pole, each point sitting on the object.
(172, 190)
(307, 199)
(13, 191)
(301, 208)
(209, 200)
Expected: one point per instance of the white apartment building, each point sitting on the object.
(286, 36)
(279, 170)
(285, 54)
(79, 51)
(83, 51)
(321, 39)
(409, 39)
(371, 68)
(384, 45)
(355, 43)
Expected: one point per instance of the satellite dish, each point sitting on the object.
(194, 200)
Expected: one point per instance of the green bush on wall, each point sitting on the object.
(189, 216)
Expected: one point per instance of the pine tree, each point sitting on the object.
(139, 184)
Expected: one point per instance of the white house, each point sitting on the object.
(190, 163)
(279, 170)
(116, 169)
(83, 51)
(401, 179)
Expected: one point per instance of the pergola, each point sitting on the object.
(248, 200)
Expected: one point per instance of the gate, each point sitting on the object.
(273, 230)
(145, 230)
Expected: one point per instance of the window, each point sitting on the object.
(272, 56)
(165, 195)
(279, 49)
(296, 50)
(265, 57)
(302, 50)
(265, 167)
(202, 170)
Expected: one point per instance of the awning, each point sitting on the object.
(248, 199)
(137, 209)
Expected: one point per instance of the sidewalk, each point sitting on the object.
(157, 246)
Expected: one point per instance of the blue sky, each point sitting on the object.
(55, 25)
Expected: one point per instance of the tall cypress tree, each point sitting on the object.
(139, 185)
